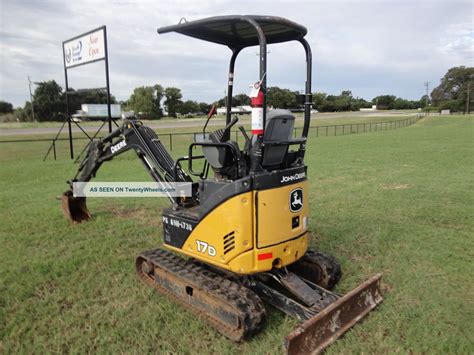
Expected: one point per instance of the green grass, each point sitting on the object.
(399, 201)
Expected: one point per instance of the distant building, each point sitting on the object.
(373, 108)
(97, 112)
(239, 110)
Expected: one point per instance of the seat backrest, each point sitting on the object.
(279, 127)
(216, 156)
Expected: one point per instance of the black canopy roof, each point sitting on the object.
(239, 31)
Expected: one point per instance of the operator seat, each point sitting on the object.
(278, 128)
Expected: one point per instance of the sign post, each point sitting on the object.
(87, 48)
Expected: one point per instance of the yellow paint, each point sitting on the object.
(234, 215)
(274, 215)
(237, 215)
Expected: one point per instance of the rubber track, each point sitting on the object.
(247, 305)
(312, 263)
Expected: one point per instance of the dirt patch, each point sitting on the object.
(396, 186)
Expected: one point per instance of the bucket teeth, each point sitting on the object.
(74, 208)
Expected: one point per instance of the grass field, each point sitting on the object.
(319, 118)
(398, 201)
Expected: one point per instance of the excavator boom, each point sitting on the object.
(131, 135)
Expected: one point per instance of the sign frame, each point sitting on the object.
(105, 58)
(104, 34)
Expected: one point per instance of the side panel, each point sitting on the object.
(282, 213)
(225, 232)
(260, 260)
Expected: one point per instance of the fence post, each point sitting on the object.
(171, 142)
(54, 149)
(317, 131)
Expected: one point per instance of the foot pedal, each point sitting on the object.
(299, 289)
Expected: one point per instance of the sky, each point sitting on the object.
(369, 47)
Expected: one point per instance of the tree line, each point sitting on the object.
(153, 102)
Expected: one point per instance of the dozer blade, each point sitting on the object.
(315, 334)
(74, 208)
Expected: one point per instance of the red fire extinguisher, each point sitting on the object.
(256, 101)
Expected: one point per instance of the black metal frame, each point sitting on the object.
(68, 119)
(254, 22)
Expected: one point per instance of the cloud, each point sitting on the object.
(370, 48)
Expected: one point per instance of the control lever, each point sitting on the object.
(218, 135)
(211, 113)
(231, 123)
(246, 137)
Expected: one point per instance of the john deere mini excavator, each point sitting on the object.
(243, 230)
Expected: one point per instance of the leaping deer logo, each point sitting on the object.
(296, 200)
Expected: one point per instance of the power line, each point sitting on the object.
(427, 97)
(468, 100)
(31, 99)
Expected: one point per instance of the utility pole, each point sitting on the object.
(468, 101)
(31, 99)
(427, 85)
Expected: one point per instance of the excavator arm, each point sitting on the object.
(131, 135)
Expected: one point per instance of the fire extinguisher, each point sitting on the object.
(256, 102)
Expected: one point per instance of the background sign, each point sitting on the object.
(84, 49)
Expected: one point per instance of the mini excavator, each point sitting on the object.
(243, 230)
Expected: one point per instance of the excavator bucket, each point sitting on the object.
(317, 333)
(74, 208)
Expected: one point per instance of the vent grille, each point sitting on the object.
(229, 242)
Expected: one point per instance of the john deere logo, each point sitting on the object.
(296, 200)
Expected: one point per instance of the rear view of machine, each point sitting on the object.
(244, 229)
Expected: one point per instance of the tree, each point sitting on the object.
(359, 103)
(454, 88)
(188, 107)
(77, 98)
(237, 100)
(147, 100)
(6, 107)
(204, 107)
(384, 102)
(281, 98)
(49, 101)
(425, 101)
(173, 100)
(318, 100)
(241, 100)
(24, 114)
(343, 102)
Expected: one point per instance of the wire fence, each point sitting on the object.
(315, 131)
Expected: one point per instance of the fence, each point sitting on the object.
(318, 131)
